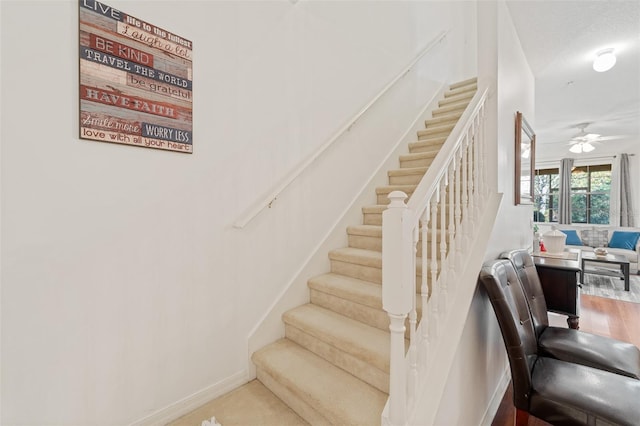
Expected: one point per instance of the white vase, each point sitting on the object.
(554, 240)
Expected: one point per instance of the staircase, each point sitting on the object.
(333, 365)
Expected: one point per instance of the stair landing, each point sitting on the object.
(251, 404)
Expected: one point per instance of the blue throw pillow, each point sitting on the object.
(624, 240)
(572, 237)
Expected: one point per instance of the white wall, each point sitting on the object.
(634, 169)
(125, 287)
(477, 377)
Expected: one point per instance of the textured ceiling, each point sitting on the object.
(560, 39)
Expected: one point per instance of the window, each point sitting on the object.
(590, 192)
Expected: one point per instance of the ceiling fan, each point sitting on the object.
(584, 142)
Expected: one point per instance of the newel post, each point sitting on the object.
(398, 288)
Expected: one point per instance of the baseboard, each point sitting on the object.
(191, 402)
(496, 399)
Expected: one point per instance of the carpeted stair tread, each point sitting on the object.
(357, 256)
(406, 175)
(359, 291)
(418, 156)
(458, 106)
(368, 237)
(443, 119)
(362, 257)
(427, 145)
(366, 343)
(459, 84)
(462, 97)
(338, 396)
(372, 215)
(375, 208)
(365, 230)
(436, 130)
(386, 189)
(462, 89)
(417, 159)
(408, 171)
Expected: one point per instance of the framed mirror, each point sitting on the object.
(525, 160)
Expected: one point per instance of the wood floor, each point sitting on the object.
(598, 315)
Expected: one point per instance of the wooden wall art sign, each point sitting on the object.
(135, 81)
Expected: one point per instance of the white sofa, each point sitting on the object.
(593, 236)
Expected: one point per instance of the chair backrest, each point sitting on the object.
(528, 274)
(510, 306)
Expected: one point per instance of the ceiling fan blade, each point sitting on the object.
(611, 138)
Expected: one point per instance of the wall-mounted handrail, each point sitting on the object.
(267, 202)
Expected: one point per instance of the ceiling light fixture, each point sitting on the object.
(605, 60)
(580, 147)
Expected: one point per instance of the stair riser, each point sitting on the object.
(450, 109)
(435, 139)
(374, 317)
(376, 219)
(405, 180)
(436, 132)
(419, 162)
(424, 149)
(375, 244)
(427, 146)
(464, 83)
(461, 90)
(465, 97)
(365, 242)
(443, 120)
(372, 219)
(357, 367)
(303, 409)
(360, 272)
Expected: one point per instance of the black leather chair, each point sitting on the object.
(567, 344)
(556, 391)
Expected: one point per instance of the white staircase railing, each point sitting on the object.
(441, 214)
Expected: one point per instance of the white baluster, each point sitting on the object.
(483, 175)
(480, 166)
(470, 187)
(477, 201)
(453, 250)
(433, 299)
(458, 201)
(465, 198)
(442, 230)
(424, 292)
(413, 321)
